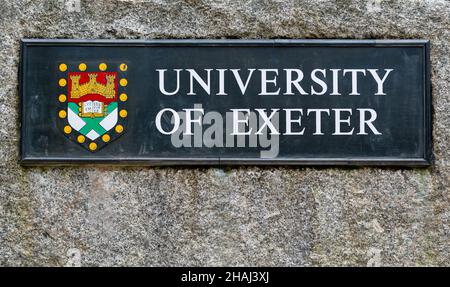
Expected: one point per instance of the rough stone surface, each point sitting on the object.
(93, 216)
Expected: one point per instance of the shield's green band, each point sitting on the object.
(93, 124)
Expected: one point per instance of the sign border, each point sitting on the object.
(424, 161)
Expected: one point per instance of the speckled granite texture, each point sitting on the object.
(255, 216)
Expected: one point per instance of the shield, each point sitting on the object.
(92, 103)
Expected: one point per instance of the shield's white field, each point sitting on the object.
(75, 121)
(110, 120)
(92, 135)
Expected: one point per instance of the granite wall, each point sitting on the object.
(224, 216)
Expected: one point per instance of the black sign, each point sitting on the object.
(167, 102)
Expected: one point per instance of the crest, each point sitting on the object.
(92, 108)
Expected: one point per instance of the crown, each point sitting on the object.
(92, 86)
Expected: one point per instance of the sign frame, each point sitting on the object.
(426, 160)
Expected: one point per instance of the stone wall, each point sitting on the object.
(224, 216)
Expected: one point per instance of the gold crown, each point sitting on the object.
(92, 87)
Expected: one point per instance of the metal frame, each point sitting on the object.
(426, 160)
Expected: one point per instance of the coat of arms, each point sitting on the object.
(92, 103)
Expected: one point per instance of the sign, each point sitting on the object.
(170, 102)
